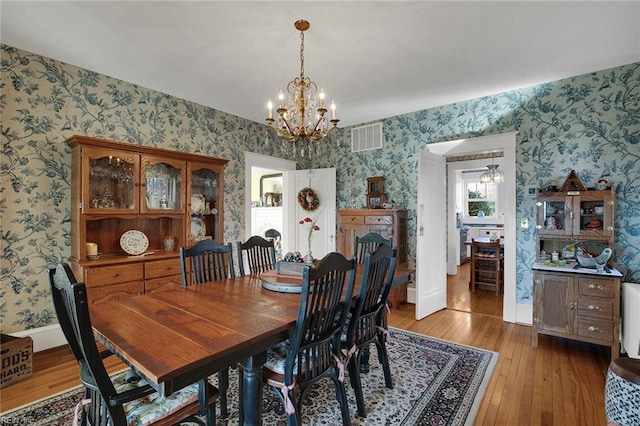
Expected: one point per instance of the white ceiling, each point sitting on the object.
(376, 59)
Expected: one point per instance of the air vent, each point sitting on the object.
(366, 138)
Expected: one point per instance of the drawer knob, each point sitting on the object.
(594, 308)
(595, 286)
(596, 329)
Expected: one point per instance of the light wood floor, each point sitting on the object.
(559, 383)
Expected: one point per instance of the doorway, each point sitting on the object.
(512, 312)
(258, 217)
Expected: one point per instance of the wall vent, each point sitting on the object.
(366, 138)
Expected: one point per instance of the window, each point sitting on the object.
(480, 198)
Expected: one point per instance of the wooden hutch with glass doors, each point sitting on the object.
(570, 300)
(132, 208)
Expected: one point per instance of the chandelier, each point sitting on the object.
(493, 175)
(301, 114)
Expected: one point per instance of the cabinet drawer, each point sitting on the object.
(352, 219)
(378, 220)
(114, 275)
(161, 268)
(602, 330)
(595, 307)
(117, 291)
(595, 287)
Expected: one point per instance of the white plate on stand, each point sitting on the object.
(134, 242)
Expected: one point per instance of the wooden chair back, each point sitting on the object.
(327, 291)
(487, 264)
(375, 286)
(206, 261)
(368, 244)
(367, 324)
(259, 254)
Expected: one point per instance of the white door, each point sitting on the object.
(431, 259)
(323, 183)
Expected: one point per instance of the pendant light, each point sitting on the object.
(493, 175)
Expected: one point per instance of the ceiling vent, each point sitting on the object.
(366, 138)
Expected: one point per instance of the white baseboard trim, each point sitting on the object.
(524, 314)
(46, 337)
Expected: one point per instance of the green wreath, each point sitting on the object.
(308, 199)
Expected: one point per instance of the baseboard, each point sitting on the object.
(46, 337)
(411, 293)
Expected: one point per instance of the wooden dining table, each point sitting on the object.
(182, 335)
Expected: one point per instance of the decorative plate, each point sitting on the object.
(197, 204)
(134, 242)
(198, 229)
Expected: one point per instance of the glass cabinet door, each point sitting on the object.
(163, 185)
(595, 214)
(554, 215)
(203, 198)
(111, 181)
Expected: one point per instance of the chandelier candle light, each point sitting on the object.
(493, 175)
(301, 117)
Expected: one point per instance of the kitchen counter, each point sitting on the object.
(569, 268)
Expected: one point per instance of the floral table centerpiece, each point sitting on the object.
(311, 226)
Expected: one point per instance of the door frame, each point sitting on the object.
(505, 142)
(251, 160)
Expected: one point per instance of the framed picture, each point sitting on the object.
(375, 192)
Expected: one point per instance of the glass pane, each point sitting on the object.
(163, 187)
(477, 190)
(204, 196)
(487, 208)
(111, 183)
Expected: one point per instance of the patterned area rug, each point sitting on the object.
(435, 383)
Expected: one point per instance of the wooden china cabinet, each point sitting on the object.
(127, 199)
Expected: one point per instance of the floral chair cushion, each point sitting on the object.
(153, 407)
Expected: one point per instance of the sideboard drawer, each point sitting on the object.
(595, 307)
(109, 275)
(602, 330)
(352, 219)
(378, 220)
(161, 268)
(596, 287)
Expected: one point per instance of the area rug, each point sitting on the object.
(435, 383)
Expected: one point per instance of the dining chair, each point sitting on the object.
(368, 244)
(259, 253)
(487, 265)
(116, 401)
(204, 262)
(313, 351)
(367, 324)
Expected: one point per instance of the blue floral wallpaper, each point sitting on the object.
(590, 123)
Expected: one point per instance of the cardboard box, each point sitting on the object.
(17, 359)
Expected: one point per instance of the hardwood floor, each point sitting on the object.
(559, 383)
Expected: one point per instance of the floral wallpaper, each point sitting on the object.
(590, 123)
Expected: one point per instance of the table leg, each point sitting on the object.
(205, 409)
(250, 390)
